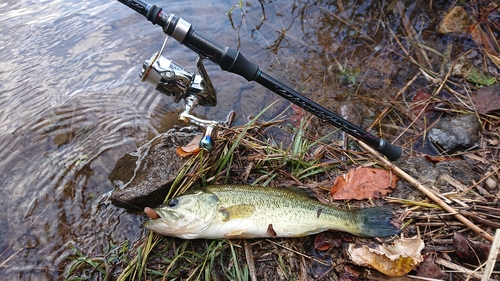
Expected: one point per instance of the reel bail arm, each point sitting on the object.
(172, 79)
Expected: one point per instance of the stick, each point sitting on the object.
(459, 268)
(492, 256)
(429, 193)
(250, 261)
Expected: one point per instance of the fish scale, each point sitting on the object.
(278, 204)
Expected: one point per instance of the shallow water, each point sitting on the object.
(72, 103)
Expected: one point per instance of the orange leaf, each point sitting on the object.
(193, 147)
(363, 183)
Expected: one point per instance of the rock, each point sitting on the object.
(490, 184)
(432, 175)
(143, 177)
(456, 133)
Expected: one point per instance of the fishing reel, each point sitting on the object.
(172, 79)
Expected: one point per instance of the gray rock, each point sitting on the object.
(143, 177)
(456, 133)
(432, 176)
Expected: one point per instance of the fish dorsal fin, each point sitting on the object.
(240, 211)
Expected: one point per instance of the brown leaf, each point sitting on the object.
(363, 183)
(193, 147)
(270, 230)
(419, 102)
(487, 99)
(349, 273)
(297, 115)
(429, 269)
(456, 20)
(468, 251)
(325, 240)
(483, 39)
(437, 159)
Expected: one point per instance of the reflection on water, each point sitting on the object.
(71, 103)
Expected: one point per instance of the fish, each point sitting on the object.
(236, 211)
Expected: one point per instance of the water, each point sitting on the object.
(71, 103)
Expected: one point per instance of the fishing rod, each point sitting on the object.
(231, 60)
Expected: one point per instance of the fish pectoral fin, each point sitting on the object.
(240, 211)
(238, 234)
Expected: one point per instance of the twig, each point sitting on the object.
(298, 253)
(480, 181)
(427, 192)
(492, 256)
(2, 264)
(459, 268)
(250, 260)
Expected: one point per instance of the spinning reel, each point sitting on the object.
(172, 79)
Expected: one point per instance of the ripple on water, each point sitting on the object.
(71, 104)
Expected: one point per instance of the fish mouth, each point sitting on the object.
(161, 215)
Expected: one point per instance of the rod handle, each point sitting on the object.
(392, 152)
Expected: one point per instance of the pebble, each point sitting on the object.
(490, 184)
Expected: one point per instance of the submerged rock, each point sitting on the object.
(143, 177)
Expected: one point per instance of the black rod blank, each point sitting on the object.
(230, 59)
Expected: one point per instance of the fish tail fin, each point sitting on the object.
(376, 222)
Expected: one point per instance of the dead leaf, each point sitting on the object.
(193, 147)
(456, 20)
(483, 39)
(349, 273)
(429, 269)
(270, 231)
(297, 115)
(363, 183)
(419, 102)
(325, 240)
(487, 99)
(437, 159)
(469, 251)
(392, 260)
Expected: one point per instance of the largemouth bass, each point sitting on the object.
(243, 211)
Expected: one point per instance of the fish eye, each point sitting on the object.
(172, 202)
